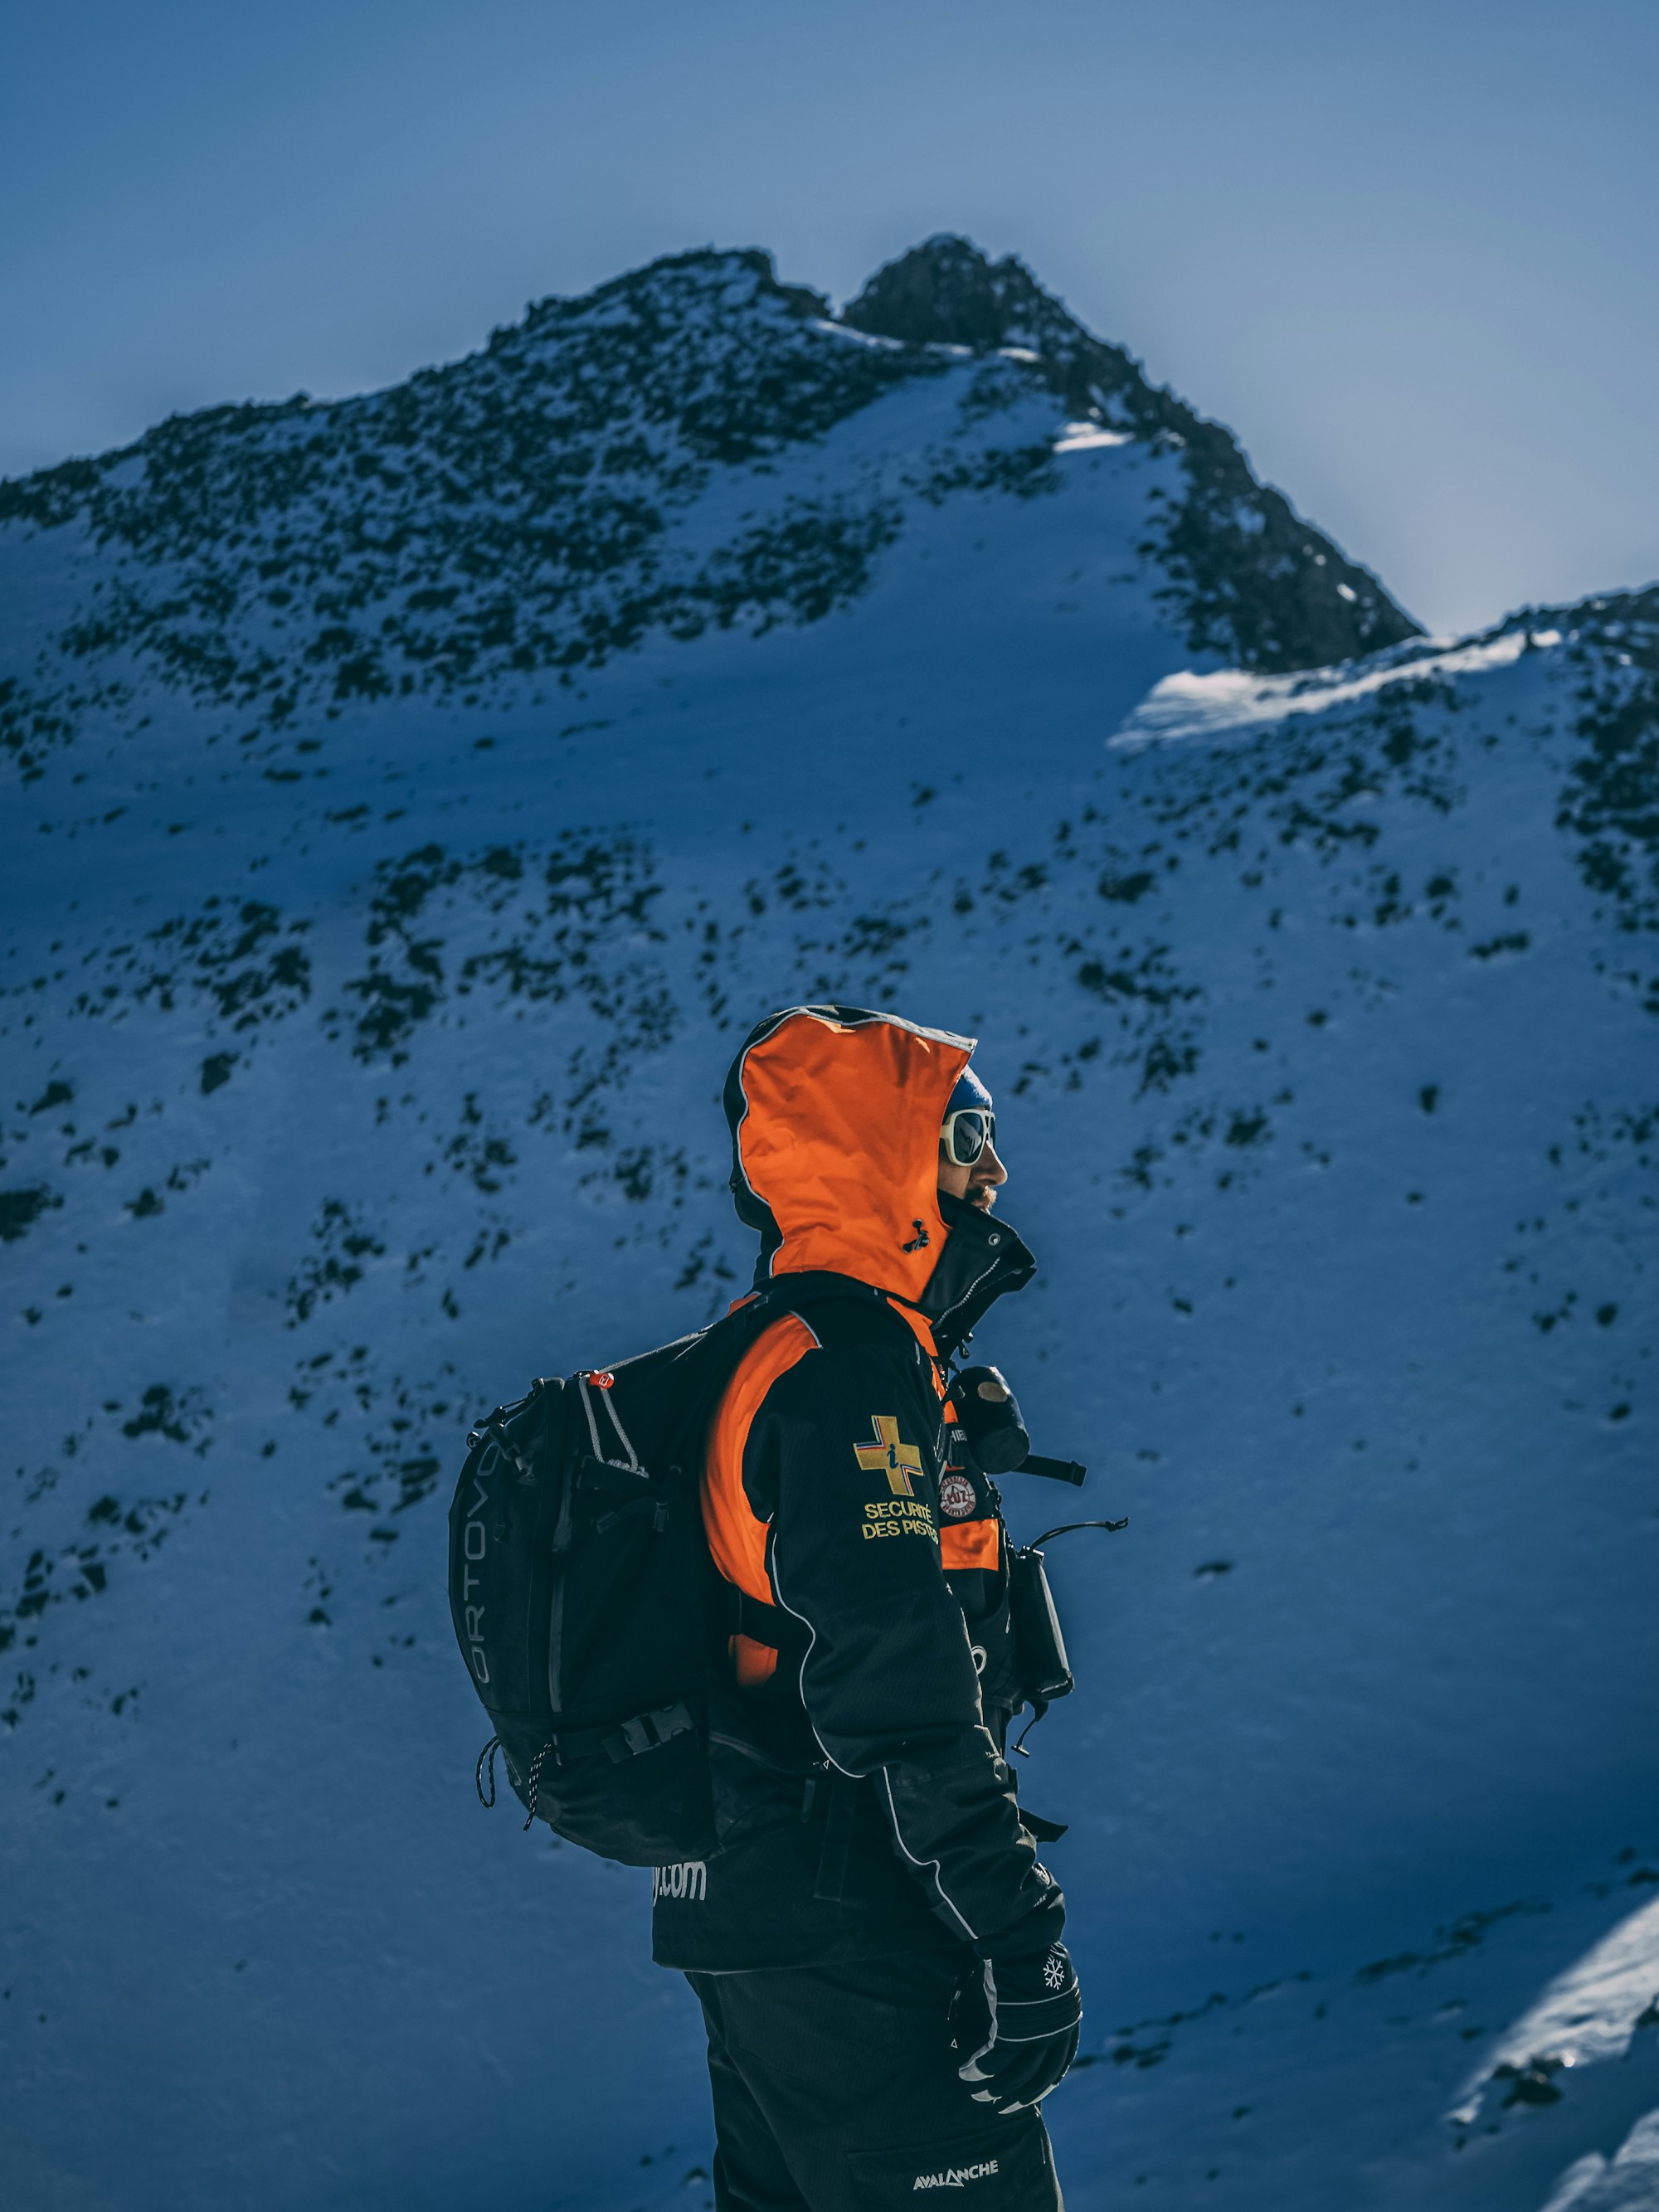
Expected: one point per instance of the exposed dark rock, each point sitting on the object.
(20, 1209)
(1612, 797)
(1252, 580)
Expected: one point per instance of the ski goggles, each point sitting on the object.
(965, 1133)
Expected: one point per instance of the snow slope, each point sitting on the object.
(374, 954)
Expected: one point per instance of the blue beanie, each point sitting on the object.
(970, 1091)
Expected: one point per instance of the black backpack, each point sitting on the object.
(588, 1610)
(584, 1599)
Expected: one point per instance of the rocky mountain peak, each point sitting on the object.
(947, 291)
(547, 503)
(1257, 582)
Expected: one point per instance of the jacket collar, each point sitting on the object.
(983, 1258)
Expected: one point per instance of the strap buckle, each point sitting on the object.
(648, 1731)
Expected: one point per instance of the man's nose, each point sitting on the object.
(988, 1169)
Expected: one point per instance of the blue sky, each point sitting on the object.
(1408, 254)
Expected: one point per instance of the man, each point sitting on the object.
(876, 1945)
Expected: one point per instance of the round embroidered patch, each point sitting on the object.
(956, 1497)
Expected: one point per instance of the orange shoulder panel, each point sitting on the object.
(753, 1663)
(736, 1539)
(968, 1544)
(922, 1329)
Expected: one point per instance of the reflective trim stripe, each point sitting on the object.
(811, 1641)
(944, 1898)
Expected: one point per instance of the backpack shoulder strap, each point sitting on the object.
(841, 1311)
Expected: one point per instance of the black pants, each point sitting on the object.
(835, 2090)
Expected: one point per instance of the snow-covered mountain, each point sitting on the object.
(416, 798)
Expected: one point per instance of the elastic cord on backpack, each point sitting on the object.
(534, 1781)
(623, 1437)
(487, 1753)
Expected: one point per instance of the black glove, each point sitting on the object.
(1015, 2020)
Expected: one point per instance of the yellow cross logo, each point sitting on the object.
(888, 1456)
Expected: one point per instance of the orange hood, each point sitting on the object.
(836, 1117)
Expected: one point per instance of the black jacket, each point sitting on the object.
(861, 1796)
